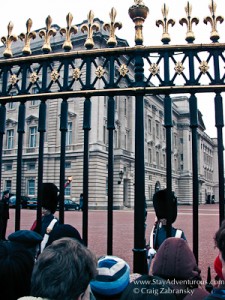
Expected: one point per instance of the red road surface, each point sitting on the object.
(123, 231)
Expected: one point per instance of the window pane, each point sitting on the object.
(69, 133)
(8, 185)
(33, 137)
(10, 138)
(31, 187)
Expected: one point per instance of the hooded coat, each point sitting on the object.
(176, 262)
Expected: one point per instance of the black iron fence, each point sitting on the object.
(174, 70)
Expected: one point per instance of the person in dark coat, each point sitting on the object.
(16, 266)
(28, 239)
(176, 263)
(81, 200)
(4, 214)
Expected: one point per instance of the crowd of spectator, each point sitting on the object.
(63, 268)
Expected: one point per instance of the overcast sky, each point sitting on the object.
(19, 11)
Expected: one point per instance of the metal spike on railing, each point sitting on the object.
(189, 21)
(70, 29)
(27, 37)
(111, 27)
(208, 285)
(50, 31)
(165, 24)
(7, 40)
(90, 27)
(213, 19)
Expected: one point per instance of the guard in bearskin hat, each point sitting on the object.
(164, 219)
(50, 197)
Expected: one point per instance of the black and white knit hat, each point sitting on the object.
(113, 276)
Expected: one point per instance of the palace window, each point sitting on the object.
(31, 187)
(10, 139)
(69, 134)
(33, 137)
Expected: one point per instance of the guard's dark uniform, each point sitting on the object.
(4, 214)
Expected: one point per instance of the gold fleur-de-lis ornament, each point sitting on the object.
(90, 27)
(165, 24)
(111, 27)
(189, 21)
(27, 37)
(50, 31)
(7, 41)
(213, 19)
(68, 31)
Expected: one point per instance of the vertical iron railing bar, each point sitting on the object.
(5, 80)
(20, 130)
(168, 125)
(194, 126)
(111, 128)
(219, 123)
(2, 132)
(195, 180)
(139, 250)
(86, 128)
(41, 130)
(44, 77)
(63, 130)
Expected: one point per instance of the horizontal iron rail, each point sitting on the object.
(112, 51)
(118, 91)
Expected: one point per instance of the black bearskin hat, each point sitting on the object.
(50, 196)
(160, 205)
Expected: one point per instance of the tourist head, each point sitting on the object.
(63, 270)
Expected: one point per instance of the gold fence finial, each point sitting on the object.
(7, 41)
(70, 29)
(111, 27)
(90, 27)
(189, 21)
(213, 19)
(46, 48)
(165, 24)
(27, 37)
(138, 13)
